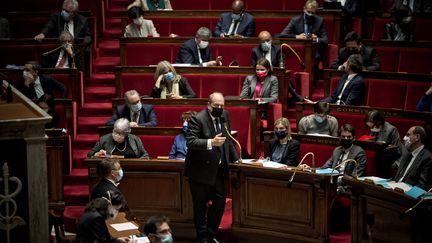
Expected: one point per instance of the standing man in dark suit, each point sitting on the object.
(67, 20)
(238, 23)
(354, 45)
(416, 163)
(196, 51)
(266, 49)
(111, 174)
(137, 113)
(308, 25)
(416, 6)
(351, 87)
(35, 85)
(209, 151)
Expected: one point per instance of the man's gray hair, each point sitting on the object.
(74, 3)
(130, 93)
(123, 125)
(203, 33)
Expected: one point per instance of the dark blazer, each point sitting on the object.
(188, 53)
(107, 143)
(356, 153)
(420, 6)
(4, 28)
(369, 55)
(420, 172)
(258, 53)
(425, 103)
(353, 7)
(50, 60)
(55, 26)
(49, 85)
(269, 90)
(201, 164)
(353, 93)
(246, 26)
(185, 89)
(92, 228)
(296, 27)
(290, 154)
(179, 148)
(102, 187)
(147, 116)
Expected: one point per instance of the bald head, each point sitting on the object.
(264, 36)
(237, 6)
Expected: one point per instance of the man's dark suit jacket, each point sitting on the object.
(49, 85)
(291, 152)
(356, 153)
(258, 53)
(420, 172)
(188, 53)
(55, 26)
(369, 55)
(201, 164)
(50, 60)
(4, 28)
(147, 115)
(353, 93)
(102, 187)
(92, 228)
(296, 27)
(420, 6)
(246, 26)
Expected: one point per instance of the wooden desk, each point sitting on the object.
(155, 187)
(121, 218)
(266, 209)
(381, 208)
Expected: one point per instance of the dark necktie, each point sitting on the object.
(32, 91)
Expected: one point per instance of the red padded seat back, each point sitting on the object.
(194, 81)
(272, 25)
(157, 145)
(193, 24)
(143, 55)
(241, 53)
(227, 85)
(291, 61)
(322, 153)
(370, 163)
(240, 117)
(415, 90)
(191, 4)
(170, 116)
(378, 28)
(403, 124)
(386, 94)
(389, 58)
(64, 79)
(329, 27)
(356, 120)
(421, 29)
(415, 60)
(143, 83)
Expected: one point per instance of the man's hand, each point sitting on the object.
(133, 124)
(28, 81)
(68, 49)
(39, 37)
(100, 153)
(218, 140)
(301, 36)
(173, 96)
(308, 100)
(123, 239)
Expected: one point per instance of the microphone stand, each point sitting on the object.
(235, 140)
(281, 65)
(342, 163)
(298, 166)
(53, 50)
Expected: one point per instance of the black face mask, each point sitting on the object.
(354, 51)
(309, 19)
(281, 134)
(216, 112)
(346, 143)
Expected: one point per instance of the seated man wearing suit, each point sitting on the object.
(308, 25)
(416, 163)
(66, 56)
(35, 85)
(137, 113)
(353, 45)
(196, 51)
(238, 23)
(266, 49)
(111, 174)
(351, 87)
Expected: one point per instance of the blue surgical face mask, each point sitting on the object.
(166, 238)
(185, 126)
(266, 46)
(65, 15)
(319, 119)
(169, 76)
(136, 107)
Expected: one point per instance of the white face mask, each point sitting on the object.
(112, 212)
(120, 175)
(27, 74)
(138, 21)
(375, 129)
(203, 44)
(407, 142)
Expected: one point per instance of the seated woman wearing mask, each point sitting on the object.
(179, 148)
(320, 122)
(261, 86)
(119, 143)
(284, 149)
(92, 227)
(139, 27)
(169, 84)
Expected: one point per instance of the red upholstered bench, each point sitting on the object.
(389, 58)
(157, 145)
(415, 60)
(421, 29)
(149, 54)
(377, 32)
(415, 90)
(141, 82)
(386, 93)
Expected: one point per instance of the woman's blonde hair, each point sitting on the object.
(160, 69)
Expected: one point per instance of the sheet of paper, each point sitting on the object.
(392, 184)
(271, 164)
(124, 226)
(139, 239)
(375, 179)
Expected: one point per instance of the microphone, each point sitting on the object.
(298, 166)
(409, 210)
(281, 65)
(223, 121)
(342, 163)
